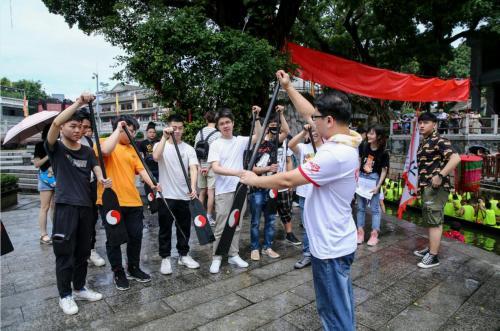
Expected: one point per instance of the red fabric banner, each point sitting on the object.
(353, 77)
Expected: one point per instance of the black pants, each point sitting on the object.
(95, 214)
(180, 209)
(71, 243)
(132, 218)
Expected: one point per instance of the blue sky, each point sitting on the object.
(37, 45)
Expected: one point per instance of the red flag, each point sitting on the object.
(410, 171)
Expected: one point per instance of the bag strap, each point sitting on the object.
(210, 134)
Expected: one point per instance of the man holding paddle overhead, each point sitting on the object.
(176, 193)
(226, 158)
(72, 164)
(122, 164)
(260, 199)
(331, 230)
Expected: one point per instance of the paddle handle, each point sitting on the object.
(97, 142)
(132, 142)
(184, 172)
(253, 159)
(252, 128)
(312, 140)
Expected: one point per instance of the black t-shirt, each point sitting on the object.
(266, 151)
(146, 148)
(372, 161)
(41, 153)
(72, 170)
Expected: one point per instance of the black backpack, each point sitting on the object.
(202, 147)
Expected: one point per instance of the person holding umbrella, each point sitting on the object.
(46, 185)
(72, 165)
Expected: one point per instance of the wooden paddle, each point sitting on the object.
(198, 213)
(116, 230)
(153, 179)
(240, 194)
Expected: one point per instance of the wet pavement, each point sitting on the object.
(463, 293)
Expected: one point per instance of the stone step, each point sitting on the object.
(31, 188)
(31, 181)
(20, 170)
(4, 164)
(33, 175)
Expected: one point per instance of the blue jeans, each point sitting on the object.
(258, 201)
(374, 205)
(333, 287)
(305, 239)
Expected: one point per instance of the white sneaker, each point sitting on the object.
(188, 262)
(87, 295)
(166, 267)
(211, 221)
(215, 266)
(238, 261)
(68, 305)
(96, 259)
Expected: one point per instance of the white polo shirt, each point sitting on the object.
(327, 212)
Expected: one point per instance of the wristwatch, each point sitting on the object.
(440, 175)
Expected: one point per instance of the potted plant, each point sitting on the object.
(9, 190)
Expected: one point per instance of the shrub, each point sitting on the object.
(7, 180)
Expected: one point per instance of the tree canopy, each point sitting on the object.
(203, 54)
(32, 89)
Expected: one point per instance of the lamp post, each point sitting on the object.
(96, 77)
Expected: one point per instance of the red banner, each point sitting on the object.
(353, 77)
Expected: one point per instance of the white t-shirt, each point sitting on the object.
(211, 138)
(282, 159)
(327, 211)
(306, 153)
(229, 153)
(171, 179)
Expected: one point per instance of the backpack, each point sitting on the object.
(202, 147)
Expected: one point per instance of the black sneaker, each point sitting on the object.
(422, 252)
(121, 281)
(429, 261)
(137, 274)
(290, 237)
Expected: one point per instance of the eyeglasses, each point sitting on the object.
(314, 117)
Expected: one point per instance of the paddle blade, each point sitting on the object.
(200, 220)
(233, 220)
(272, 202)
(112, 218)
(6, 244)
(151, 198)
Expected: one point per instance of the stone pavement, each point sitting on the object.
(390, 291)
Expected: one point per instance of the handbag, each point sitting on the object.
(47, 177)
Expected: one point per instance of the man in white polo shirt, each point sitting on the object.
(331, 231)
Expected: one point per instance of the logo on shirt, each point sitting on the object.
(313, 167)
(76, 163)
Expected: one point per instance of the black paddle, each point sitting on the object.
(312, 140)
(110, 212)
(272, 203)
(6, 244)
(153, 179)
(198, 213)
(240, 194)
(248, 150)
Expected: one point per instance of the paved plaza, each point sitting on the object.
(390, 291)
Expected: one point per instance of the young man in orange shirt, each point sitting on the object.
(122, 164)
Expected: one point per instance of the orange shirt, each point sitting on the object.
(122, 166)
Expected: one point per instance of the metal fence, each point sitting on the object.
(467, 125)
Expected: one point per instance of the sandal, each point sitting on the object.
(45, 239)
